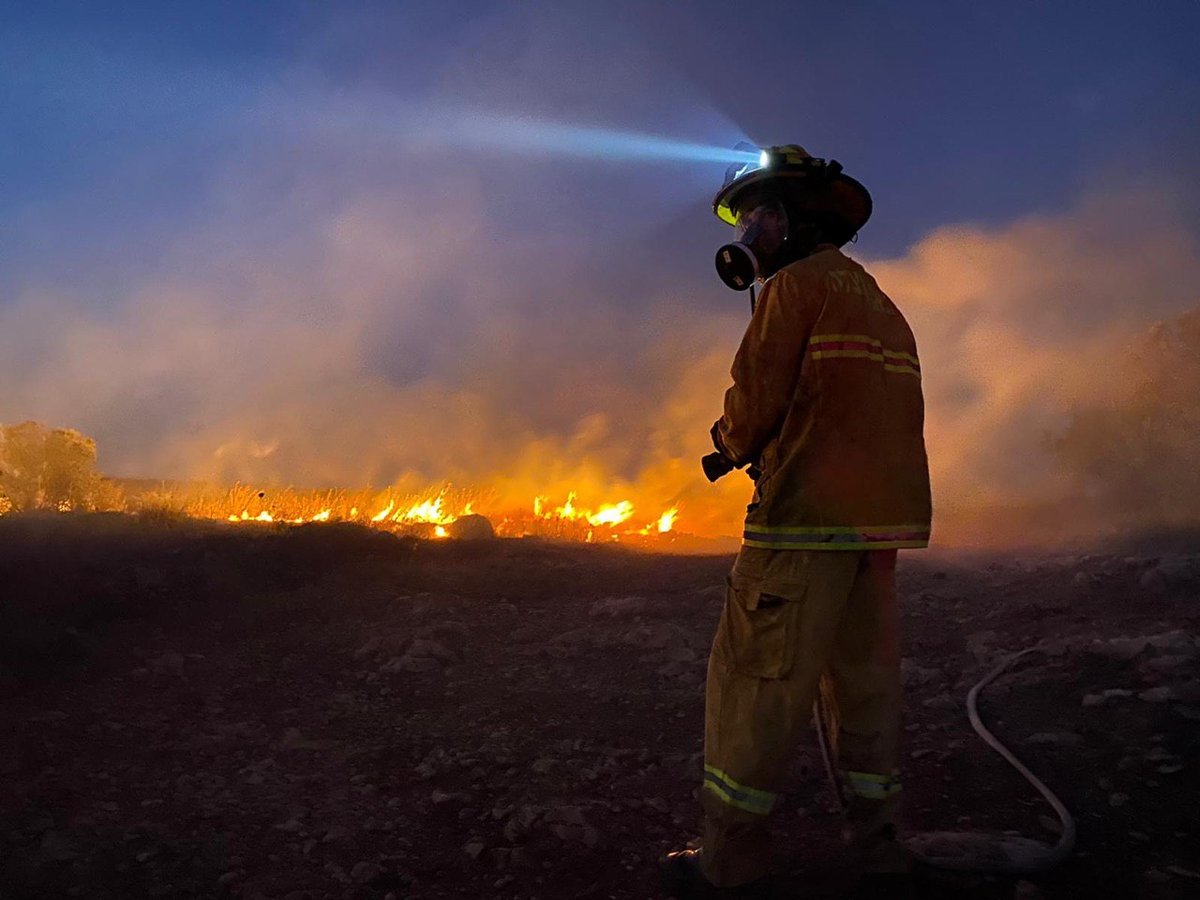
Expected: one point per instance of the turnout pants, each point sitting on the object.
(790, 617)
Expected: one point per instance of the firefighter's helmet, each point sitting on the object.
(820, 186)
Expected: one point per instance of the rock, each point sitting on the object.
(942, 701)
(1121, 648)
(982, 645)
(370, 648)
(658, 636)
(1159, 694)
(618, 606)
(473, 849)
(1027, 890)
(1156, 876)
(1176, 641)
(1183, 873)
(1167, 666)
(519, 824)
(566, 815)
(472, 527)
(678, 654)
(365, 871)
(1117, 799)
(1105, 696)
(1171, 574)
(913, 674)
(1055, 739)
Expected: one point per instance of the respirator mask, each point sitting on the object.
(758, 237)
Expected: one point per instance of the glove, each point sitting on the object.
(716, 466)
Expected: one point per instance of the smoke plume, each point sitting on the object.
(384, 347)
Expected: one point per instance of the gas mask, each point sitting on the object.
(758, 238)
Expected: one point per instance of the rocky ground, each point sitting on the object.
(332, 712)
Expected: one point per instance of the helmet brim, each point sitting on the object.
(846, 198)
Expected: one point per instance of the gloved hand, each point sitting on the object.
(716, 466)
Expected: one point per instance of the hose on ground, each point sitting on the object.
(977, 852)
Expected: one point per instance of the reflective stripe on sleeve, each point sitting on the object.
(737, 795)
(863, 346)
(870, 786)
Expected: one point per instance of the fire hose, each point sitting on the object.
(992, 854)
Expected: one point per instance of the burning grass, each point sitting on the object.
(54, 470)
(430, 514)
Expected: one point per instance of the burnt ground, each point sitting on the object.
(326, 711)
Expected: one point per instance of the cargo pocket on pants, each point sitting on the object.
(759, 631)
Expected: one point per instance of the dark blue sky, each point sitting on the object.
(126, 126)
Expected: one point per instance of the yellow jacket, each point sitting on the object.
(826, 401)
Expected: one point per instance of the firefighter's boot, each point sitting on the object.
(681, 875)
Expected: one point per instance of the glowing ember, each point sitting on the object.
(667, 520)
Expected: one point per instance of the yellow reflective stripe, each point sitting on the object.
(871, 786)
(855, 545)
(866, 354)
(837, 529)
(855, 338)
(870, 776)
(875, 352)
(738, 795)
(730, 800)
(861, 339)
(847, 354)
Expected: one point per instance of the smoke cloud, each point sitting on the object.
(383, 348)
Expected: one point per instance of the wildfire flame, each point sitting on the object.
(432, 515)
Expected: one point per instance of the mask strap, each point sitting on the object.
(753, 300)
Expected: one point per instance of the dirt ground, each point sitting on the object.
(326, 711)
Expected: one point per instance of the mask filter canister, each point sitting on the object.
(737, 266)
(757, 238)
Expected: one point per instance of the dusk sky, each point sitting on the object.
(197, 195)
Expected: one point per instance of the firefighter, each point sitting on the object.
(826, 410)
